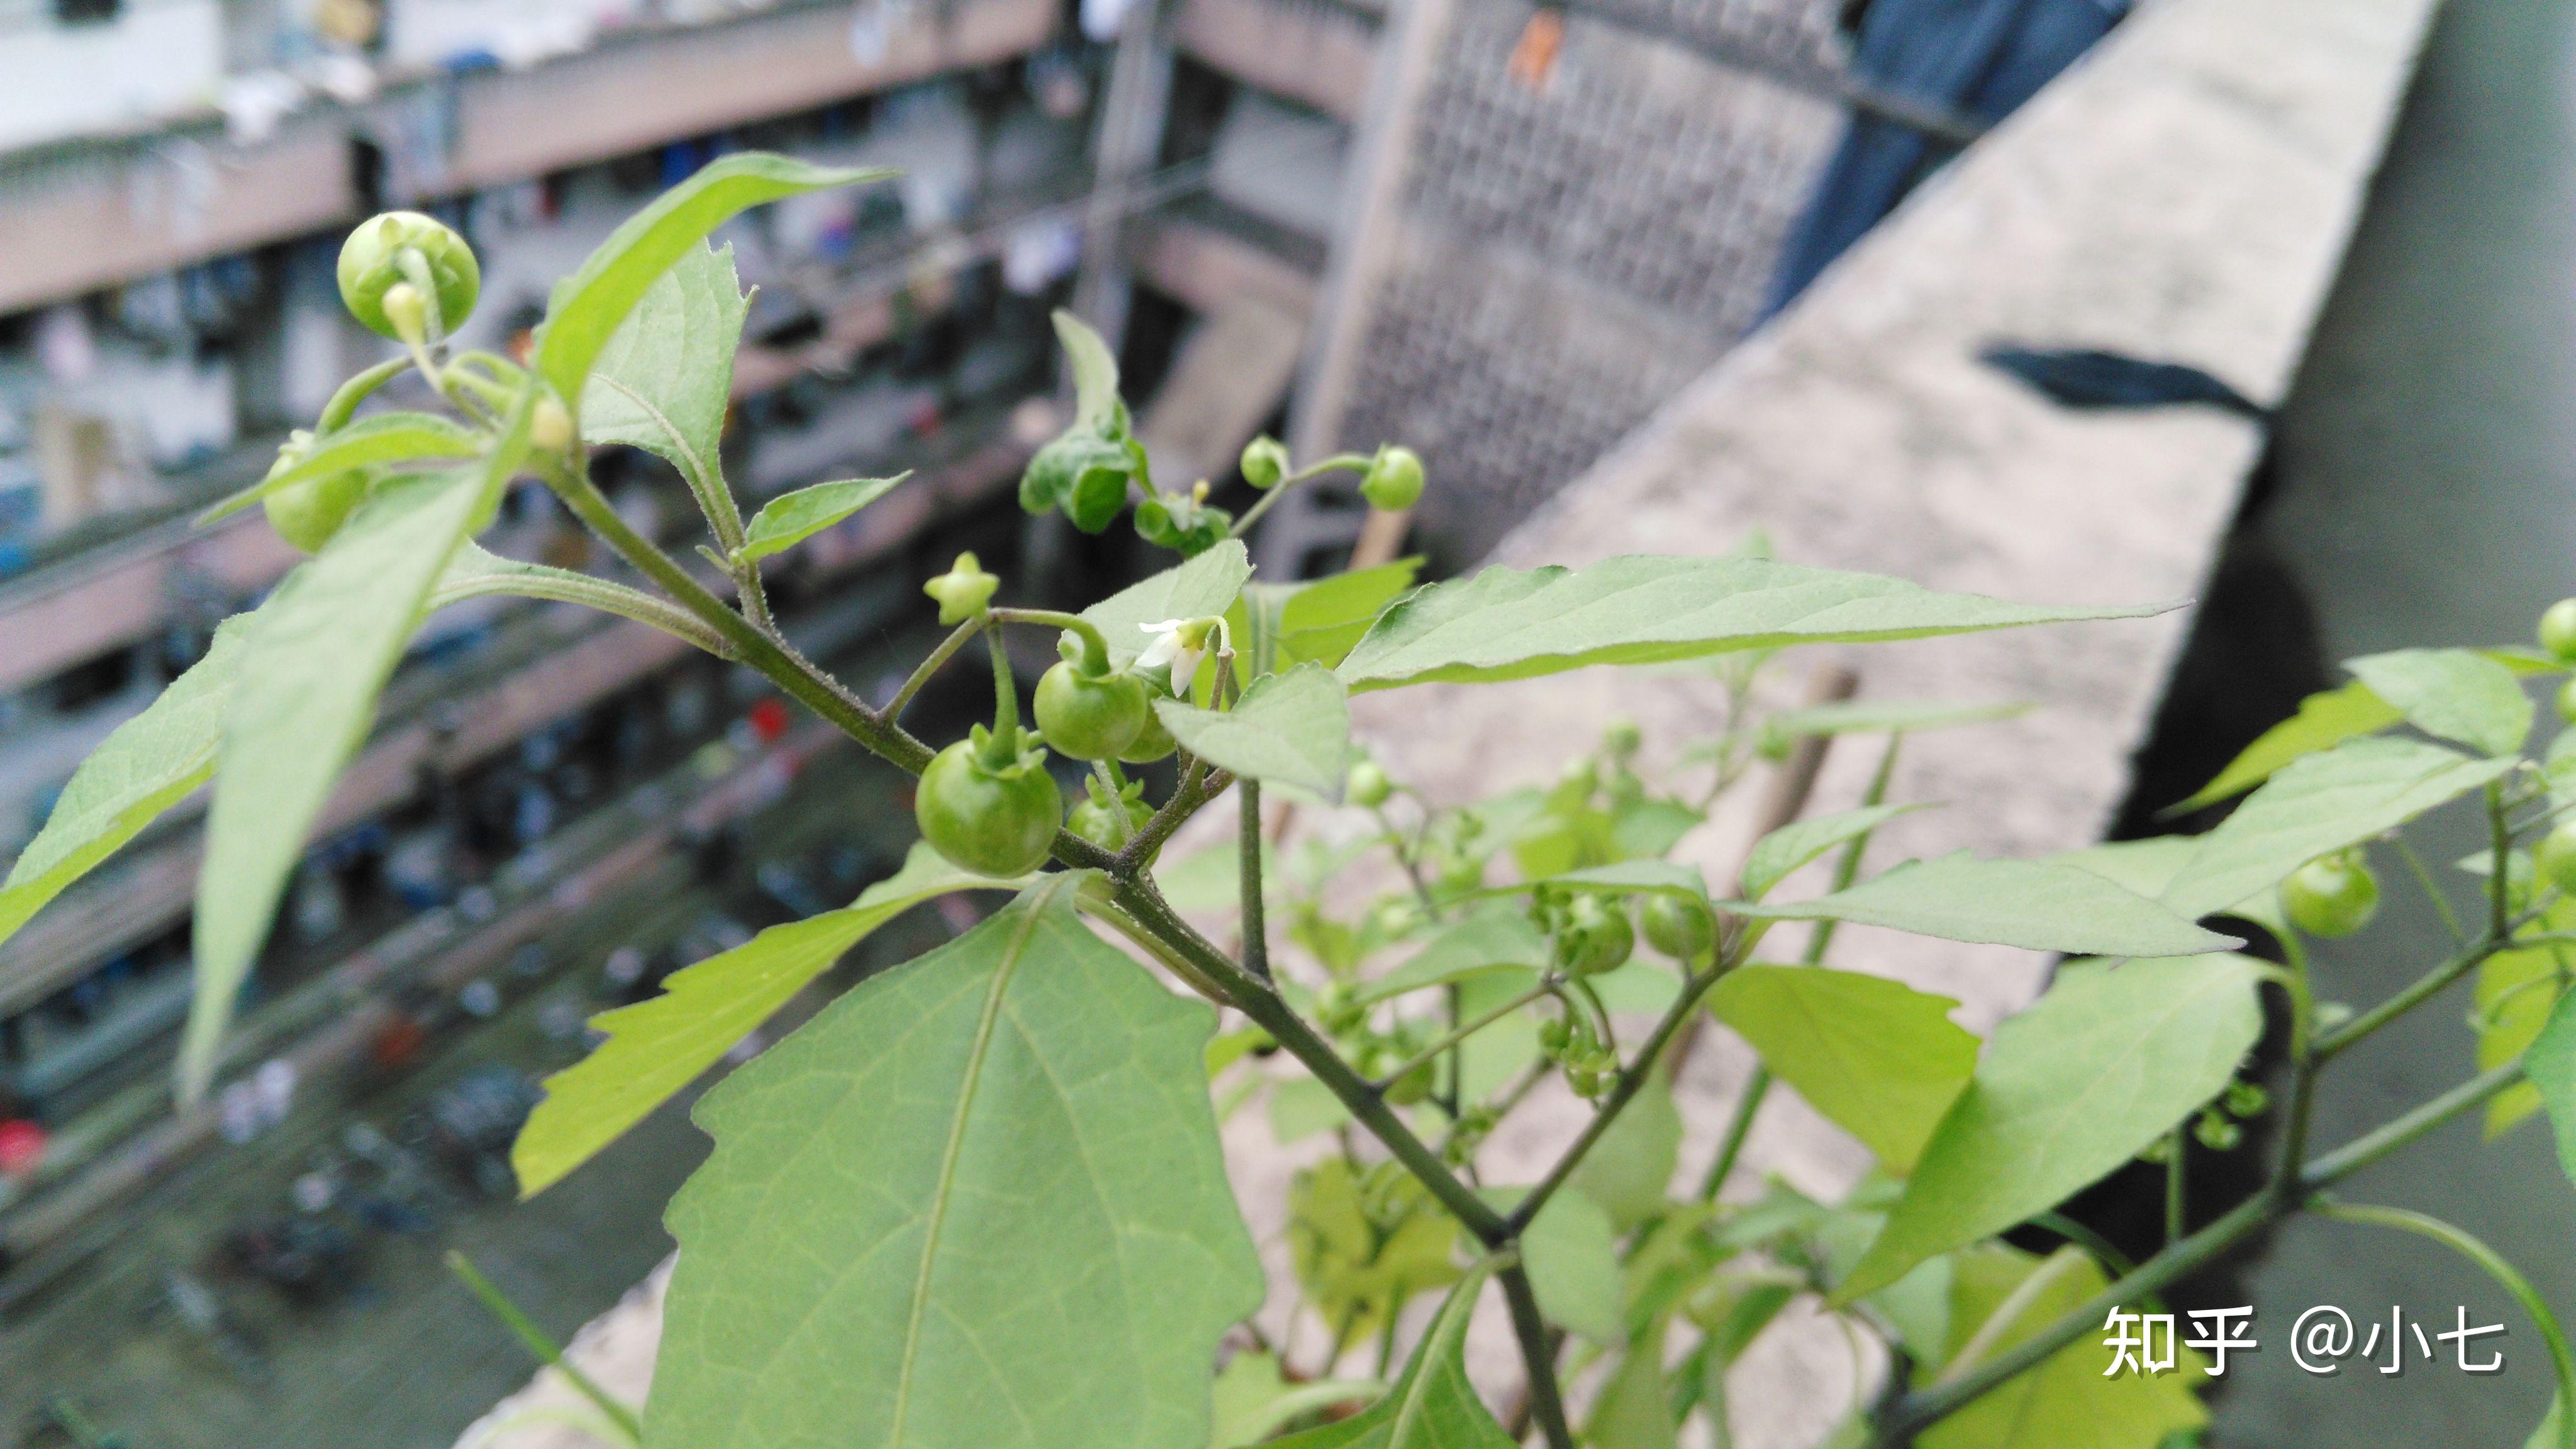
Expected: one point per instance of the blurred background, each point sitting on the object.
(1510, 237)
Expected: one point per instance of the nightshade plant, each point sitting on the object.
(978, 1201)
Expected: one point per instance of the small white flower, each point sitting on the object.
(1180, 643)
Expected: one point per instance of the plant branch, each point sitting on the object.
(1255, 999)
(2331, 1044)
(2468, 1246)
(2009, 1312)
(344, 402)
(1092, 639)
(1247, 851)
(1538, 1356)
(2380, 1141)
(1461, 1032)
(929, 666)
(1350, 461)
(563, 586)
(1198, 785)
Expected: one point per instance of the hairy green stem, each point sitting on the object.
(1350, 461)
(1006, 693)
(344, 402)
(566, 587)
(1538, 1356)
(1461, 1032)
(1256, 1000)
(1757, 1085)
(1247, 852)
(2334, 1043)
(2468, 1246)
(1095, 646)
(1913, 1412)
(929, 666)
(544, 1349)
(2432, 889)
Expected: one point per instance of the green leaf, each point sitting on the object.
(2518, 993)
(1095, 373)
(1894, 716)
(2316, 804)
(2067, 1402)
(656, 1047)
(2551, 1066)
(377, 441)
(1492, 936)
(977, 1201)
(589, 306)
(1635, 1409)
(2451, 694)
(2069, 1089)
(313, 661)
(1363, 1242)
(2324, 721)
(1200, 588)
(152, 762)
(1775, 855)
(1629, 1170)
(1300, 1107)
(1320, 620)
(792, 518)
(1645, 609)
(1571, 1251)
(1880, 1059)
(1253, 1399)
(1640, 877)
(665, 381)
(2035, 904)
(1289, 729)
(1495, 1057)
(1432, 1406)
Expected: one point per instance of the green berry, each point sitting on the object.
(309, 513)
(996, 818)
(1367, 785)
(371, 266)
(1678, 929)
(1109, 826)
(2331, 896)
(1090, 716)
(2555, 857)
(550, 427)
(2558, 631)
(1394, 479)
(1153, 742)
(2567, 700)
(1593, 936)
(1265, 462)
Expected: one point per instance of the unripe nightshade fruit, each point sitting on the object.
(1264, 462)
(1394, 480)
(1677, 928)
(1152, 742)
(307, 514)
(993, 821)
(1367, 786)
(2555, 857)
(1090, 716)
(1593, 936)
(2558, 631)
(371, 265)
(550, 427)
(2330, 897)
(2567, 700)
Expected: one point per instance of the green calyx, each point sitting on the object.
(963, 592)
(442, 272)
(988, 804)
(1084, 474)
(1394, 479)
(1184, 523)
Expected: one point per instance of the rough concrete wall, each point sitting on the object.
(2185, 193)
(1568, 259)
